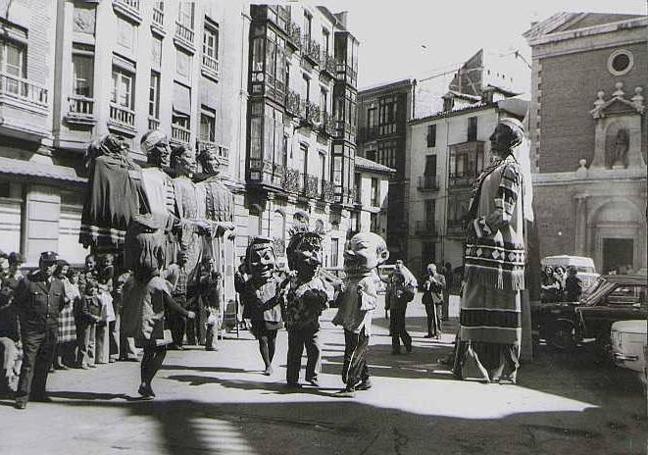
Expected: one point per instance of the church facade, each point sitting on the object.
(589, 136)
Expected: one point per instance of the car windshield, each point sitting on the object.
(627, 295)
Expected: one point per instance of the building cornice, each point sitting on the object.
(586, 31)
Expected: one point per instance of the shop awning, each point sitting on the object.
(20, 168)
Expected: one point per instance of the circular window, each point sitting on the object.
(620, 62)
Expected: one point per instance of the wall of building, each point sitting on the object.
(569, 86)
(450, 129)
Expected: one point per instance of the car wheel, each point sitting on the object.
(563, 336)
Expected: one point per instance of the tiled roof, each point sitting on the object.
(9, 166)
(364, 163)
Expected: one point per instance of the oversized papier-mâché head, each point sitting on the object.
(156, 146)
(260, 258)
(365, 251)
(304, 251)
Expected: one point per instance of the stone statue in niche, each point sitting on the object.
(617, 150)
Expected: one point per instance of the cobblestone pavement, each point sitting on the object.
(219, 402)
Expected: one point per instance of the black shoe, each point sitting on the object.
(429, 335)
(146, 392)
(268, 371)
(20, 404)
(408, 348)
(293, 385)
(313, 381)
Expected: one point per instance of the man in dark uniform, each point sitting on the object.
(39, 300)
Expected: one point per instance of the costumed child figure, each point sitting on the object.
(365, 252)
(260, 298)
(306, 297)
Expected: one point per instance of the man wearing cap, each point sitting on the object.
(39, 300)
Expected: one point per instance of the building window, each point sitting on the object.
(430, 209)
(154, 96)
(472, 129)
(156, 52)
(308, 22)
(430, 165)
(431, 135)
(123, 88)
(372, 118)
(306, 87)
(210, 46)
(207, 125)
(186, 14)
(181, 116)
(620, 62)
(375, 224)
(371, 155)
(335, 246)
(375, 192)
(323, 100)
(322, 159)
(387, 153)
(12, 59)
(326, 38)
(387, 114)
(82, 73)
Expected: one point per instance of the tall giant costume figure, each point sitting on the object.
(490, 322)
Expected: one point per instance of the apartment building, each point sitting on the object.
(448, 152)
(84, 69)
(383, 114)
(300, 156)
(371, 191)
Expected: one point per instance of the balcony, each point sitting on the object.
(311, 50)
(122, 118)
(328, 64)
(428, 183)
(157, 22)
(222, 152)
(426, 228)
(294, 35)
(184, 37)
(292, 103)
(311, 186)
(462, 180)
(23, 107)
(80, 111)
(153, 123)
(327, 124)
(128, 8)
(209, 66)
(180, 134)
(328, 191)
(292, 181)
(278, 174)
(311, 113)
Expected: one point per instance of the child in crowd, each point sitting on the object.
(211, 295)
(66, 326)
(88, 314)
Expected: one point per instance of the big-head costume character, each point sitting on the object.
(261, 297)
(306, 297)
(365, 252)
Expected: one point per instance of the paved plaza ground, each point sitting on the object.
(220, 403)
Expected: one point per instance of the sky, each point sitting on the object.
(416, 38)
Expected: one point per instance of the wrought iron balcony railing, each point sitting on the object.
(328, 64)
(328, 191)
(428, 183)
(158, 17)
(312, 113)
(279, 246)
(294, 35)
(327, 124)
(311, 50)
(292, 181)
(311, 186)
(292, 103)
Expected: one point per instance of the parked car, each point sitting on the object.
(611, 298)
(585, 268)
(629, 345)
